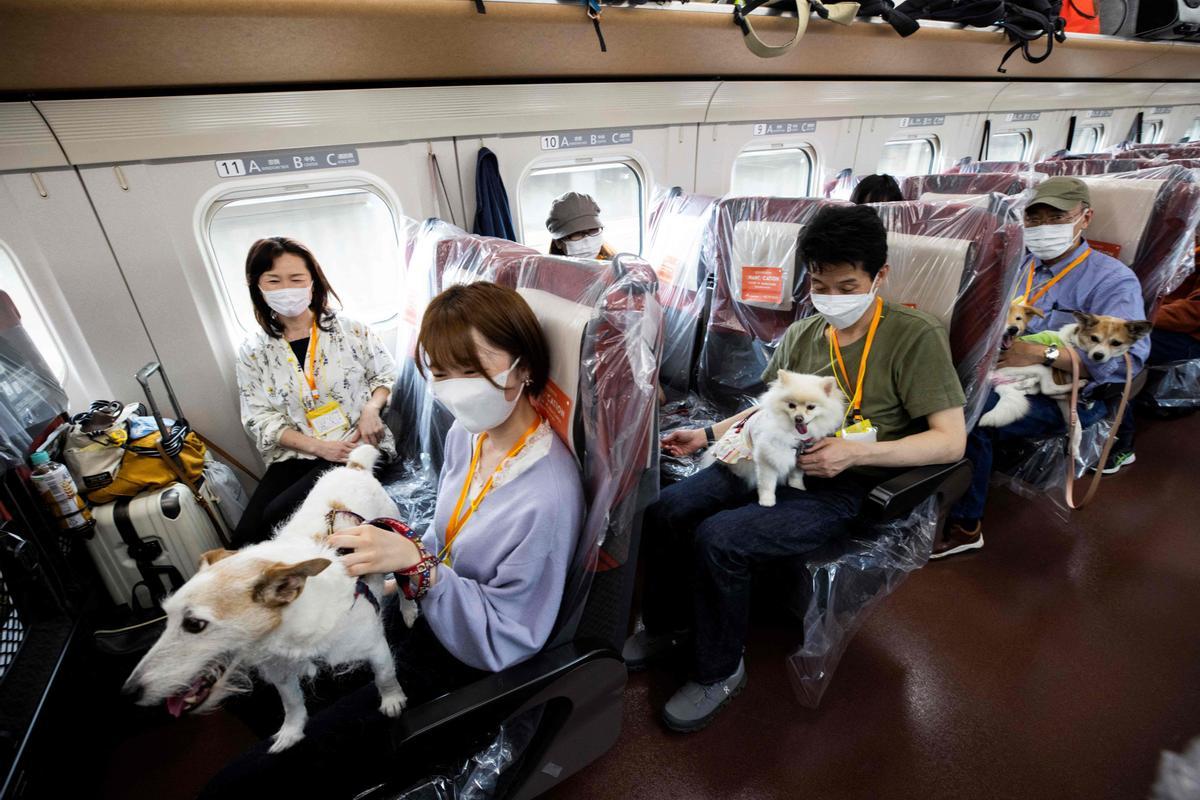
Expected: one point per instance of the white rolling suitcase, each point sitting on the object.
(147, 546)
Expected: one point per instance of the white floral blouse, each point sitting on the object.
(351, 363)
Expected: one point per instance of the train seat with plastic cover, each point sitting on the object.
(602, 322)
(1181, 150)
(994, 166)
(1091, 166)
(1147, 220)
(963, 186)
(676, 235)
(957, 262)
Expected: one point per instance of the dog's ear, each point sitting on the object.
(1138, 329)
(829, 384)
(281, 583)
(211, 557)
(1037, 312)
(1085, 319)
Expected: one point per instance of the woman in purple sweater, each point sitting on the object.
(509, 510)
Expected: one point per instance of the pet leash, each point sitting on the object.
(1073, 424)
(416, 579)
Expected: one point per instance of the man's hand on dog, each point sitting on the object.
(374, 550)
(1022, 354)
(829, 457)
(683, 442)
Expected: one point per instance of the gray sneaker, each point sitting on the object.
(644, 647)
(695, 704)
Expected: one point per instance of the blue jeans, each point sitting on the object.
(1043, 420)
(1167, 347)
(705, 535)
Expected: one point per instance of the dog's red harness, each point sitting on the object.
(414, 581)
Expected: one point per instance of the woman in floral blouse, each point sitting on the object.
(313, 383)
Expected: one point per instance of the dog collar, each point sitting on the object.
(361, 589)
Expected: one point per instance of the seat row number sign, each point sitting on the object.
(924, 121)
(778, 126)
(288, 161)
(601, 137)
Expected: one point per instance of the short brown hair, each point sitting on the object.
(500, 315)
(262, 257)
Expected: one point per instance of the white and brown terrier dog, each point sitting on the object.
(1102, 338)
(280, 608)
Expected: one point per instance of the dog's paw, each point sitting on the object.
(285, 738)
(392, 704)
(796, 482)
(988, 420)
(767, 502)
(409, 611)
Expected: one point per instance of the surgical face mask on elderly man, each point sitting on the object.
(1050, 234)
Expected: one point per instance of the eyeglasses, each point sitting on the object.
(575, 237)
(1036, 220)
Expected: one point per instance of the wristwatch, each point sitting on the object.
(1050, 356)
(709, 435)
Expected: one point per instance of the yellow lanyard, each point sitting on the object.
(835, 350)
(309, 370)
(458, 519)
(1045, 287)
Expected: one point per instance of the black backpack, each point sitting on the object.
(1024, 21)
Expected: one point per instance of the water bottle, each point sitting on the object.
(57, 488)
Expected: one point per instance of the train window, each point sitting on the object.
(1193, 134)
(350, 230)
(780, 172)
(616, 187)
(1009, 146)
(1087, 138)
(1152, 132)
(32, 319)
(908, 157)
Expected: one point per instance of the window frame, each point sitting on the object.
(1193, 132)
(806, 148)
(44, 318)
(1026, 135)
(624, 160)
(1098, 127)
(223, 194)
(1155, 127)
(930, 138)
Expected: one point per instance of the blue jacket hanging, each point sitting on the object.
(492, 214)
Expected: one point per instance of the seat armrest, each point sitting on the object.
(897, 496)
(494, 697)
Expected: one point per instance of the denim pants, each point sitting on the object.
(705, 535)
(1043, 420)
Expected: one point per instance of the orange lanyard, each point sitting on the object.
(1045, 287)
(458, 519)
(836, 350)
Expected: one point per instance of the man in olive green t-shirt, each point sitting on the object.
(706, 534)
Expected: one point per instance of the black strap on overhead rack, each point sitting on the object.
(593, 12)
(480, 7)
(1038, 16)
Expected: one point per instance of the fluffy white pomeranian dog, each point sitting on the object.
(795, 411)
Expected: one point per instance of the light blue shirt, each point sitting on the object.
(1099, 285)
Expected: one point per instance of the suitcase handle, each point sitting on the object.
(143, 377)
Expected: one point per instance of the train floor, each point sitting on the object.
(1057, 662)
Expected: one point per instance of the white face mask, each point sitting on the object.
(289, 302)
(1050, 241)
(843, 310)
(587, 247)
(475, 402)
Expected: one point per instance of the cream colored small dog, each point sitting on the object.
(795, 411)
(281, 608)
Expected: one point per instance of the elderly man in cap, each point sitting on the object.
(574, 222)
(1062, 274)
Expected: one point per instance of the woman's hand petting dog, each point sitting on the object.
(370, 426)
(374, 550)
(1022, 354)
(684, 442)
(829, 457)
